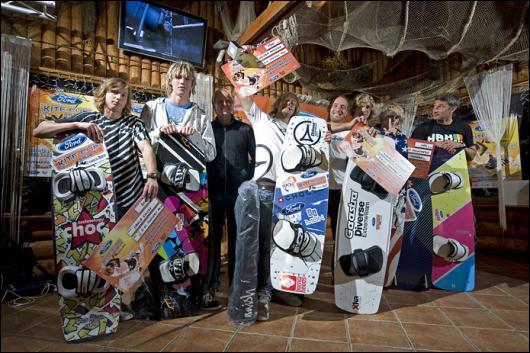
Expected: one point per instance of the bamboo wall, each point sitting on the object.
(61, 48)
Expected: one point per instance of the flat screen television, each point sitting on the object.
(154, 30)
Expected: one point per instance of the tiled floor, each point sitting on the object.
(492, 318)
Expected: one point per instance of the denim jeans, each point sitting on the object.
(221, 208)
(266, 198)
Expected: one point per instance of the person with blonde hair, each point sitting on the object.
(175, 113)
(233, 164)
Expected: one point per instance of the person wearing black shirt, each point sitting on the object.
(233, 164)
(445, 132)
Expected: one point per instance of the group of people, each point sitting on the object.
(234, 152)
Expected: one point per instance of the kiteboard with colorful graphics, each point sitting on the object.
(300, 206)
(453, 261)
(84, 213)
(183, 188)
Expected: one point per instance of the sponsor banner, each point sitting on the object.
(420, 155)
(127, 250)
(377, 158)
(53, 105)
(483, 168)
(250, 73)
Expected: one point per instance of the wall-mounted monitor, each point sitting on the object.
(154, 30)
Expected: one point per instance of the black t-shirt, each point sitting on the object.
(432, 131)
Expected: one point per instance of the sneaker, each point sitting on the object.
(125, 314)
(263, 309)
(210, 303)
(287, 298)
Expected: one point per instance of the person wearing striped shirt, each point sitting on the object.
(124, 136)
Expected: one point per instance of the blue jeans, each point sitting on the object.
(266, 198)
(221, 208)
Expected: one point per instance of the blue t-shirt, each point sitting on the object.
(175, 112)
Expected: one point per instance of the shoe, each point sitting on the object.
(126, 314)
(210, 303)
(445, 181)
(287, 298)
(263, 309)
(449, 249)
(367, 183)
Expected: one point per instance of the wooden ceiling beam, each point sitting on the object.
(276, 11)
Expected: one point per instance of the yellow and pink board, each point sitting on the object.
(452, 213)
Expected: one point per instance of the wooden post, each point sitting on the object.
(164, 67)
(77, 43)
(35, 34)
(113, 14)
(64, 24)
(48, 44)
(123, 69)
(155, 74)
(100, 64)
(146, 73)
(135, 72)
(88, 53)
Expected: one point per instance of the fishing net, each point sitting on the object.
(480, 31)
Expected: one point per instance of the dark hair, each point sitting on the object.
(281, 99)
(334, 98)
(452, 100)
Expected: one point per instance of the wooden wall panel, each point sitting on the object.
(63, 60)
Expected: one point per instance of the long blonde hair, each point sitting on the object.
(183, 68)
(108, 85)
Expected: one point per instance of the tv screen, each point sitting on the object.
(157, 31)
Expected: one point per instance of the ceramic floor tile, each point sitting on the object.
(377, 333)
(71, 347)
(51, 329)
(517, 290)
(199, 340)
(516, 319)
(501, 303)
(318, 326)
(279, 324)
(256, 343)
(478, 318)
(422, 315)
(497, 340)
(148, 336)
(215, 320)
(453, 300)
(395, 296)
(434, 337)
(384, 314)
(300, 345)
(12, 343)
(22, 320)
(373, 348)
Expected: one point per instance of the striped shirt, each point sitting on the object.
(121, 138)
